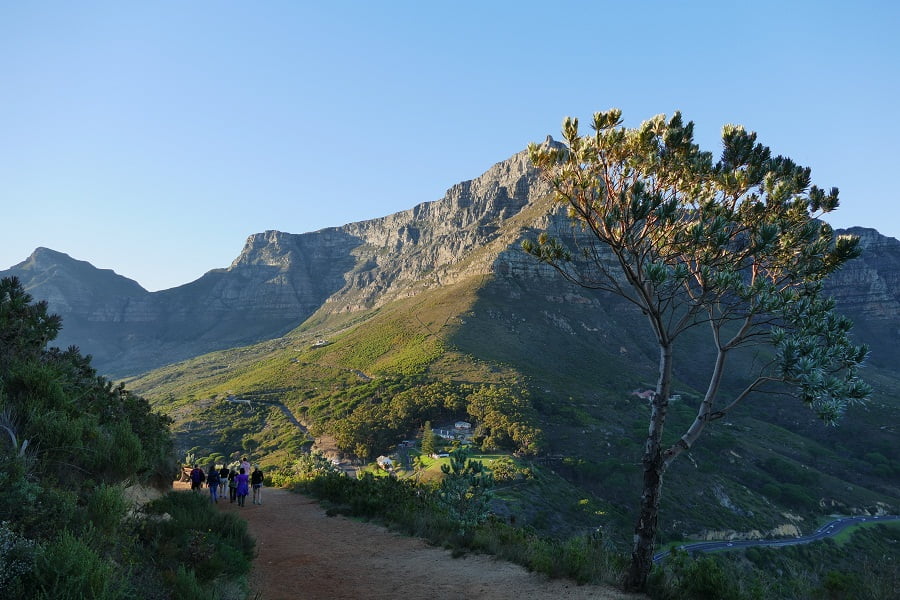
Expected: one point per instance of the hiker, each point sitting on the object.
(245, 464)
(256, 481)
(223, 481)
(232, 486)
(197, 478)
(242, 480)
(212, 480)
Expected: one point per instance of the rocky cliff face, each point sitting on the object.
(870, 285)
(280, 279)
(867, 289)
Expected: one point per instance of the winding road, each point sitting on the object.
(827, 530)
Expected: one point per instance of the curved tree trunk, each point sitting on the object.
(654, 467)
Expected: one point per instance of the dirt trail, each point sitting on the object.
(304, 554)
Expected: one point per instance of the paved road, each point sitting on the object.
(827, 530)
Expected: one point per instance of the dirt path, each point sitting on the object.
(304, 554)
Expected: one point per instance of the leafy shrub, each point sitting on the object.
(70, 569)
(17, 558)
(684, 578)
(465, 490)
(422, 511)
(106, 507)
(186, 586)
(211, 543)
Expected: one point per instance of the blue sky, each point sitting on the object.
(153, 137)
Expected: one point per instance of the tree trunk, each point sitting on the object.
(654, 467)
(646, 527)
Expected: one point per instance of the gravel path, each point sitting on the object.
(304, 554)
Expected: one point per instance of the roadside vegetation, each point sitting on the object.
(861, 566)
(857, 565)
(73, 447)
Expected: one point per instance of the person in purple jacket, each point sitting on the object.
(243, 486)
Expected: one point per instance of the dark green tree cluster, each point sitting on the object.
(69, 442)
(505, 419)
(504, 416)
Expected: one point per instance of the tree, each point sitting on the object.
(734, 246)
(427, 439)
(465, 491)
(25, 326)
(249, 445)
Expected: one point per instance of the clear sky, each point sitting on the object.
(153, 137)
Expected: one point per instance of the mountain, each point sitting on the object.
(279, 279)
(438, 304)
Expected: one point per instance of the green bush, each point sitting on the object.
(682, 577)
(195, 535)
(186, 586)
(70, 569)
(106, 507)
(17, 558)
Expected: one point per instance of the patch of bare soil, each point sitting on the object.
(304, 554)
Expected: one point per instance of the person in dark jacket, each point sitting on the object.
(212, 480)
(232, 486)
(256, 482)
(223, 481)
(197, 478)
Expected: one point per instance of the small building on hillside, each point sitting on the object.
(462, 425)
(385, 463)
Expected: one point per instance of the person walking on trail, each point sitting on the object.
(245, 464)
(256, 481)
(243, 486)
(223, 481)
(197, 478)
(232, 486)
(212, 480)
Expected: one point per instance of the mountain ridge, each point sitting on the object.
(280, 279)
